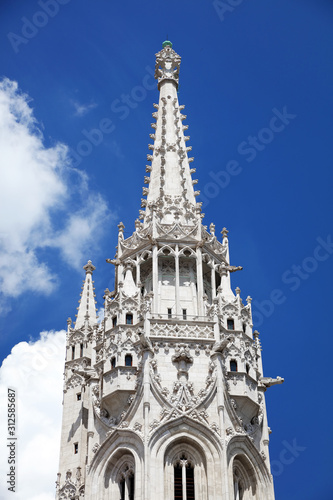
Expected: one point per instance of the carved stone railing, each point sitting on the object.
(182, 329)
(126, 331)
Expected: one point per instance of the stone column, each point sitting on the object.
(217, 358)
(138, 278)
(213, 281)
(177, 282)
(155, 279)
(183, 463)
(199, 281)
(146, 410)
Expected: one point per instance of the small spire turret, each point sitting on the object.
(87, 311)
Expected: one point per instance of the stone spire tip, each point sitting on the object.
(89, 267)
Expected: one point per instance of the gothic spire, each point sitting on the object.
(170, 185)
(87, 309)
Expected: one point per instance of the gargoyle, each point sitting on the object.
(115, 262)
(144, 341)
(269, 381)
(220, 346)
(87, 374)
(232, 269)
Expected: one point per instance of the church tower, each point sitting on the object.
(165, 398)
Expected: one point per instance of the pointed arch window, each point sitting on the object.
(238, 488)
(122, 489)
(244, 479)
(127, 483)
(184, 479)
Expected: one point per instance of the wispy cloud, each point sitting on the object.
(39, 187)
(82, 109)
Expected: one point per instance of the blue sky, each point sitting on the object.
(256, 79)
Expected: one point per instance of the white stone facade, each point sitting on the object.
(165, 399)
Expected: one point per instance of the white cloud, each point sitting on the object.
(83, 109)
(35, 371)
(37, 189)
(100, 314)
(81, 228)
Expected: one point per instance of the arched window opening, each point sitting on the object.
(184, 479)
(131, 487)
(247, 366)
(178, 482)
(190, 482)
(126, 483)
(129, 319)
(244, 479)
(230, 324)
(233, 365)
(244, 327)
(128, 360)
(113, 362)
(114, 321)
(185, 471)
(238, 485)
(122, 489)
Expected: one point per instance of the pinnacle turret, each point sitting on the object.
(87, 309)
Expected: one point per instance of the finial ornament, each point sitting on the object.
(89, 267)
(167, 64)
